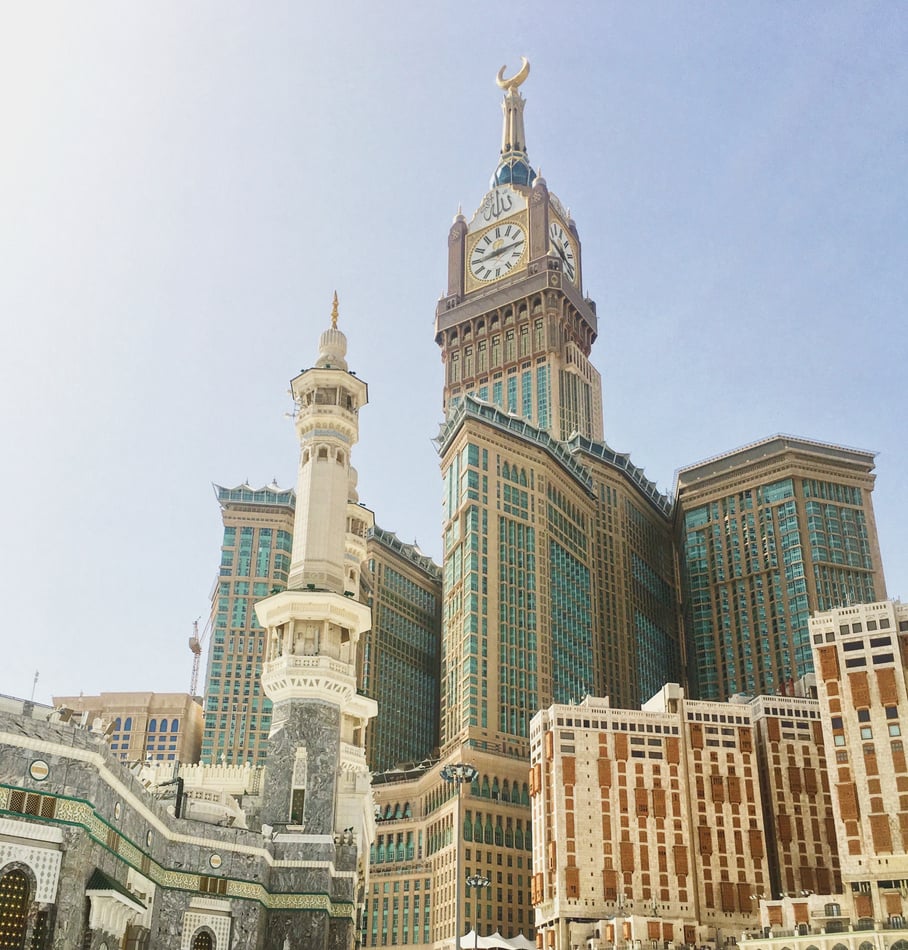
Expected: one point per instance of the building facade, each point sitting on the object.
(558, 563)
(399, 655)
(860, 658)
(255, 560)
(798, 821)
(648, 824)
(143, 727)
(767, 535)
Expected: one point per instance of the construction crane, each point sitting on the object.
(195, 645)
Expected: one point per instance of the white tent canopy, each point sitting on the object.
(495, 942)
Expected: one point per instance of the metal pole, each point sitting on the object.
(458, 775)
(476, 881)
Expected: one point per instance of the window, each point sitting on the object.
(13, 908)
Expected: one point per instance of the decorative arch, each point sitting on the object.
(900, 945)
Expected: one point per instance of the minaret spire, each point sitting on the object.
(317, 798)
(514, 165)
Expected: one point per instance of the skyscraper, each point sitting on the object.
(559, 576)
(558, 559)
(767, 534)
(255, 560)
(399, 655)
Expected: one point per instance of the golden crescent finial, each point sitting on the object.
(517, 78)
(334, 312)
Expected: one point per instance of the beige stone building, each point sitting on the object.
(798, 816)
(860, 660)
(647, 824)
(142, 726)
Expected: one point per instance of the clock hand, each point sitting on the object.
(501, 250)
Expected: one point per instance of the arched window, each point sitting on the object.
(174, 725)
(152, 725)
(163, 725)
(128, 724)
(117, 724)
(485, 787)
(13, 908)
(203, 941)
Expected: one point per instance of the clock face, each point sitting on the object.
(562, 246)
(497, 251)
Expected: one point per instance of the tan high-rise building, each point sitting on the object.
(647, 824)
(860, 658)
(800, 829)
(143, 726)
(767, 535)
(860, 653)
(255, 560)
(558, 566)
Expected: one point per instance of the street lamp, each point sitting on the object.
(458, 774)
(477, 880)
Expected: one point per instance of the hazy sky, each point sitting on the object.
(183, 186)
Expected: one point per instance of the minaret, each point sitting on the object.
(317, 800)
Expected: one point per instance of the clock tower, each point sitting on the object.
(515, 328)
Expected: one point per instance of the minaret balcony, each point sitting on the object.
(317, 677)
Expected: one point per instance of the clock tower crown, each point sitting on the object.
(514, 166)
(515, 326)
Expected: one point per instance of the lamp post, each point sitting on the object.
(477, 880)
(458, 774)
(653, 907)
(620, 915)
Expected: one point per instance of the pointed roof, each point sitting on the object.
(514, 165)
(332, 346)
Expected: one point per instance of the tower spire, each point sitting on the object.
(334, 312)
(514, 164)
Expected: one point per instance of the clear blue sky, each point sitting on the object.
(183, 186)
